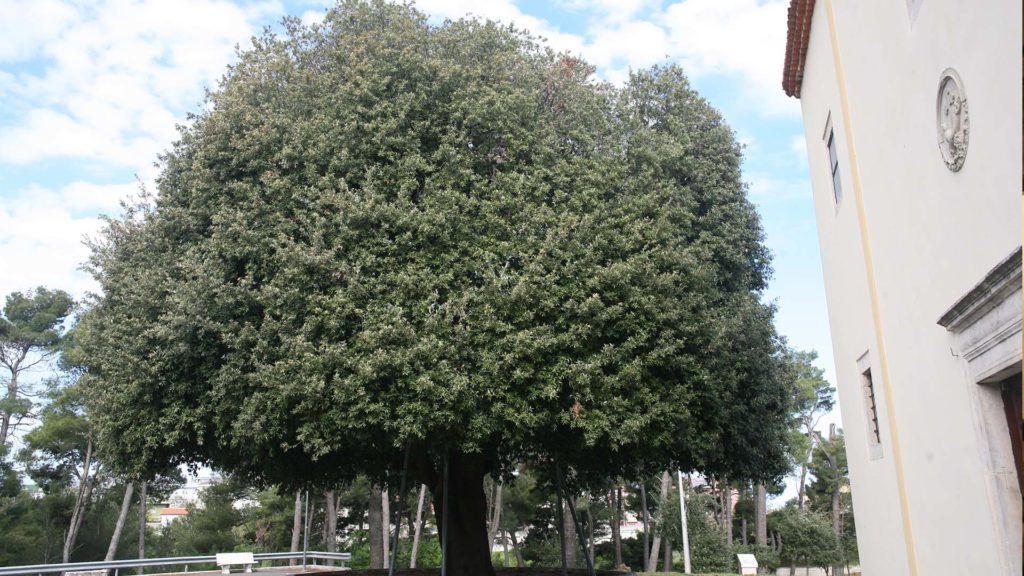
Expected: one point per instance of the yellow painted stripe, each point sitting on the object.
(883, 357)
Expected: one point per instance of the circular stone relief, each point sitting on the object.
(951, 120)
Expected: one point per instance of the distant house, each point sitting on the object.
(168, 515)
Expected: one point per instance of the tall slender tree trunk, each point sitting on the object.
(590, 534)
(467, 551)
(520, 562)
(14, 366)
(296, 526)
(495, 514)
(666, 485)
(376, 520)
(385, 514)
(115, 539)
(331, 522)
(727, 510)
(666, 561)
(418, 527)
(760, 515)
(12, 395)
(837, 527)
(142, 522)
(81, 500)
(569, 533)
(647, 527)
(617, 525)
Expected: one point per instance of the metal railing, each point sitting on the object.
(117, 565)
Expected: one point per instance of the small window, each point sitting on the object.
(871, 408)
(867, 385)
(833, 161)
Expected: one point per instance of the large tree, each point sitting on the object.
(383, 235)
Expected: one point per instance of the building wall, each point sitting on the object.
(934, 234)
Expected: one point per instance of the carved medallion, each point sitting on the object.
(951, 120)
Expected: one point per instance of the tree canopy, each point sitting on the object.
(381, 233)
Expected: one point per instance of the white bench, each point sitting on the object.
(227, 559)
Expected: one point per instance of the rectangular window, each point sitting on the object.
(867, 386)
(833, 162)
(871, 408)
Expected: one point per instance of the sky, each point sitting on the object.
(91, 92)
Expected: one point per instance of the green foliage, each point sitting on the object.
(807, 537)
(55, 450)
(709, 551)
(30, 332)
(384, 232)
(33, 319)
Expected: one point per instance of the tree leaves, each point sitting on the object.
(382, 232)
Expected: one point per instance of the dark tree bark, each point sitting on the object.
(376, 522)
(468, 553)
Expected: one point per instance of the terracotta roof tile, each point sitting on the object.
(797, 36)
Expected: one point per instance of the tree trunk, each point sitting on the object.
(647, 531)
(142, 522)
(590, 535)
(495, 515)
(520, 562)
(743, 531)
(617, 525)
(331, 535)
(296, 526)
(569, 533)
(760, 515)
(467, 551)
(727, 510)
(115, 539)
(12, 395)
(803, 468)
(667, 559)
(376, 522)
(504, 549)
(84, 492)
(418, 527)
(385, 514)
(666, 485)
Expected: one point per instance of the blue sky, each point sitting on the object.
(90, 93)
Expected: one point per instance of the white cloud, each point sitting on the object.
(742, 37)
(42, 233)
(506, 12)
(116, 74)
(27, 25)
(637, 44)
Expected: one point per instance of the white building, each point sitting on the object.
(912, 116)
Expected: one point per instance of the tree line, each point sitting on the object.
(59, 453)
